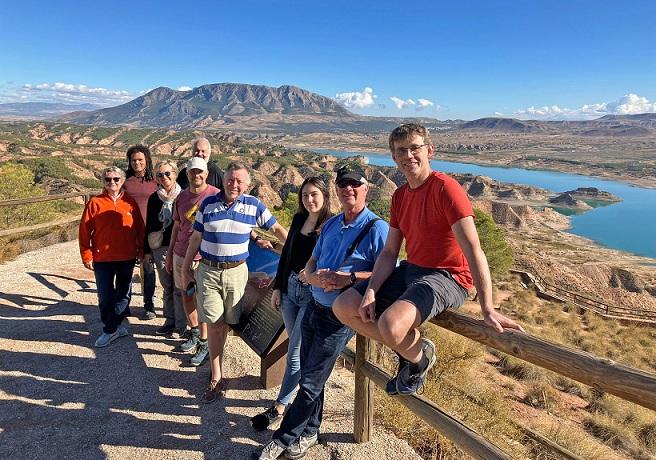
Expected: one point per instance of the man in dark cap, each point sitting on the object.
(344, 254)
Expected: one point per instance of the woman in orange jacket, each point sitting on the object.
(111, 235)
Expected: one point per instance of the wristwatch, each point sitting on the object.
(353, 278)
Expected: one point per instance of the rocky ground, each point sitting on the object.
(62, 398)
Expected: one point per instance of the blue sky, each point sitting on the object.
(467, 59)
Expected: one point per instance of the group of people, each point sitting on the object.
(337, 275)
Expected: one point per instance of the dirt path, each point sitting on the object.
(62, 398)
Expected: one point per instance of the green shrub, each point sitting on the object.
(493, 241)
(18, 182)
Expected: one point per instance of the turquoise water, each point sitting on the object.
(629, 225)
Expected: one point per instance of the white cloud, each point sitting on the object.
(498, 114)
(357, 99)
(185, 88)
(66, 93)
(424, 103)
(401, 103)
(626, 105)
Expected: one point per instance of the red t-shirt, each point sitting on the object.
(424, 216)
(184, 212)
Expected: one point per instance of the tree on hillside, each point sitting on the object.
(285, 213)
(380, 207)
(493, 241)
(18, 182)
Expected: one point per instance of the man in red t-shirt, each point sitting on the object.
(433, 214)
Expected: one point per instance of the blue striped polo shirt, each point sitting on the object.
(226, 229)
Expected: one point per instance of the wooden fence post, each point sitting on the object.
(364, 392)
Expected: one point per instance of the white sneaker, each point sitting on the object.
(105, 339)
(300, 447)
(271, 451)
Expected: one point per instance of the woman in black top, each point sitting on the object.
(159, 223)
(291, 294)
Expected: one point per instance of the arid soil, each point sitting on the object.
(63, 398)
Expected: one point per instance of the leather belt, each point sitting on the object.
(222, 265)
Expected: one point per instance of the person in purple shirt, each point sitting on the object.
(139, 185)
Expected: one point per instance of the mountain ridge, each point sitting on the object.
(290, 109)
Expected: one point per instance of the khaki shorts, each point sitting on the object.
(218, 293)
(177, 270)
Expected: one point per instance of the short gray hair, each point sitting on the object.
(171, 163)
(236, 166)
(195, 142)
(114, 169)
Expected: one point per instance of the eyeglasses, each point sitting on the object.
(165, 173)
(405, 150)
(348, 182)
(110, 179)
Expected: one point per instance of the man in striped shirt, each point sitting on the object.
(221, 232)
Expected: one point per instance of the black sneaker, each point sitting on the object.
(149, 313)
(201, 355)
(192, 340)
(165, 329)
(179, 334)
(267, 418)
(408, 383)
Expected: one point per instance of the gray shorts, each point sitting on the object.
(431, 290)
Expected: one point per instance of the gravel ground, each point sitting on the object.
(62, 398)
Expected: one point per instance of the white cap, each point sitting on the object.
(197, 163)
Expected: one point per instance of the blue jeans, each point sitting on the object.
(148, 285)
(323, 339)
(114, 286)
(293, 306)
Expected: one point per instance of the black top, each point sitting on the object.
(153, 223)
(295, 253)
(214, 176)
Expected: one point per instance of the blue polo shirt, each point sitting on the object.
(336, 238)
(226, 229)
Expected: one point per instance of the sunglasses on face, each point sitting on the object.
(110, 179)
(346, 183)
(165, 173)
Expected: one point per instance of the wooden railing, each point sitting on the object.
(603, 374)
(557, 292)
(40, 199)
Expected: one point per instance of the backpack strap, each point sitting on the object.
(359, 238)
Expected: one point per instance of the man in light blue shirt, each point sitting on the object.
(336, 264)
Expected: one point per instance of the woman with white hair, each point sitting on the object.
(111, 235)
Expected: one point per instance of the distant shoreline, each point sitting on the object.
(648, 182)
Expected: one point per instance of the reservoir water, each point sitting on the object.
(629, 225)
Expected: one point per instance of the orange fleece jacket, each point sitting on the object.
(111, 231)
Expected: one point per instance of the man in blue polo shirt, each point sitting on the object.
(222, 231)
(330, 269)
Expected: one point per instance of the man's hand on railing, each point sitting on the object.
(498, 321)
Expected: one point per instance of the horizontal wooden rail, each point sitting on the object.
(604, 374)
(460, 434)
(557, 292)
(31, 228)
(40, 199)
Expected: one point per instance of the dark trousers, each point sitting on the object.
(148, 285)
(114, 286)
(324, 338)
